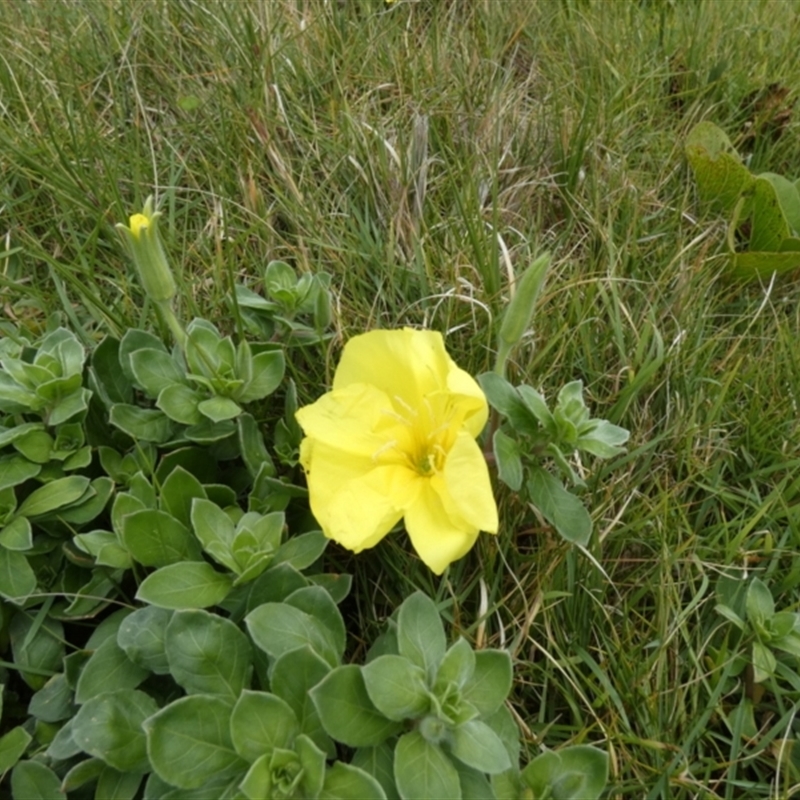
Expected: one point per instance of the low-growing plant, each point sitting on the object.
(169, 636)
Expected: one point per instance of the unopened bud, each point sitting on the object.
(518, 315)
(144, 245)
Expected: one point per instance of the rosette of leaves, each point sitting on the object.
(766, 632)
(295, 309)
(530, 433)
(764, 210)
(198, 393)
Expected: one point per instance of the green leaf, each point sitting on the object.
(768, 223)
(141, 635)
(509, 461)
(91, 505)
(156, 539)
(133, 340)
(104, 546)
(15, 470)
(507, 401)
(219, 409)
(268, 369)
(35, 445)
(12, 746)
(764, 662)
(109, 726)
(379, 762)
(457, 667)
(420, 633)
(189, 742)
(397, 687)
(70, 406)
(261, 722)
(579, 772)
(317, 603)
(82, 773)
(294, 675)
(208, 432)
(474, 785)
(475, 744)
(17, 579)
(491, 680)
(278, 628)
(560, 508)
(53, 702)
(141, 423)
(215, 530)
(603, 439)
(788, 199)
(32, 780)
(759, 603)
(109, 380)
(251, 443)
(189, 584)
(17, 535)
(53, 495)
(346, 711)
(208, 654)
(154, 370)
(107, 670)
(115, 785)
(751, 265)
(301, 551)
(721, 177)
(422, 770)
(37, 644)
(348, 782)
(180, 403)
(177, 493)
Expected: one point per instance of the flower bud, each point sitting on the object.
(144, 245)
(520, 309)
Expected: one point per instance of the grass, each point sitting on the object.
(423, 153)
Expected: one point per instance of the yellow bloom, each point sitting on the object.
(396, 438)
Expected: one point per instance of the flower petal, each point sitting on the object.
(437, 538)
(467, 486)
(356, 419)
(355, 502)
(402, 363)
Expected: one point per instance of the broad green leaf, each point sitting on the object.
(420, 633)
(111, 381)
(718, 170)
(63, 745)
(317, 603)
(69, 406)
(189, 584)
(509, 462)
(560, 508)
(53, 495)
(115, 785)
(17, 579)
(35, 445)
(759, 603)
(764, 662)
(12, 746)
(189, 742)
(154, 370)
(603, 439)
(457, 667)
(346, 711)
(104, 546)
(208, 432)
(505, 726)
(133, 340)
(37, 643)
(490, 683)
(348, 782)
(215, 530)
(219, 409)
(397, 687)
(422, 770)
(208, 654)
(91, 505)
(579, 772)
(180, 403)
(508, 402)
(261, 722)
(149, 425)
(303, 550)
(156, 539)
(83, 772)
(768, 223)
(474, 785)
(379, 762)
(109, 726)
(788, 199)
(294, 675)
(53, 702)
(177, 493)
(268, 369)
(17, 535)
(32, 780)
(141, 635)
(16, 469)
(475, 744)
(107, 670)
(278, 628)
(749, 265)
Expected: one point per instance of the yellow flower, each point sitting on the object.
(396, 438)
